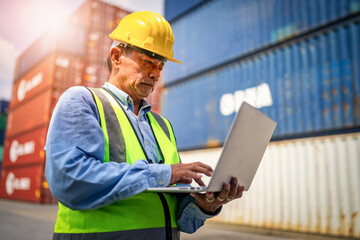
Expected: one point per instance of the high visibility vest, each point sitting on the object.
(144, 216)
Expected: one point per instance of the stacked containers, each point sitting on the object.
(309, 86)
(220, 31)
(298, 62)
(100, 19)
(74, 54)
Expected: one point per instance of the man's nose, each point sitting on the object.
(155, 73)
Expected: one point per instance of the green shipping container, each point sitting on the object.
(3, 118)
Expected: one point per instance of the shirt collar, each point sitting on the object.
(126, 100)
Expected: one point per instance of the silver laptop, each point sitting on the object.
(243, 150)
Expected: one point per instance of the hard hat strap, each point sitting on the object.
(146, 52)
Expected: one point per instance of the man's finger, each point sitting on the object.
(224, 192)
(200, 182)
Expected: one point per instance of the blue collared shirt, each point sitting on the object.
(74, 154)
(140, 122)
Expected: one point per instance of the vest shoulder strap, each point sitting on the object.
(162, 123)
(110, 125)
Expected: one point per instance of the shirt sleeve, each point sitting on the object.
(191, 217)
(75, 146)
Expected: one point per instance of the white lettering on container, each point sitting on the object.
(13, 183)
(26, 86)
(17, 150)
(259, 96)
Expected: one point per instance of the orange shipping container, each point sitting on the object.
(22, 183)
(30, 115)
(58, 71)
(98, 15)
(26, 149)
(37, 79)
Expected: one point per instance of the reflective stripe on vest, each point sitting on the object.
(142, 211)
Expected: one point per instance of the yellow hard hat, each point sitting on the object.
(148, 31)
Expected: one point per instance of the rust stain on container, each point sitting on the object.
(357, 106)
(213, 143)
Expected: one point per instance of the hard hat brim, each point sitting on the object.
(174, 60)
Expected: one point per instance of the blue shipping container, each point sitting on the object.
(174, 8)
(310, 86)
(221, 30)
(4, 107)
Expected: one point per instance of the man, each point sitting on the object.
(105, 148)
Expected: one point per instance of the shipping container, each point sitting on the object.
(68, 71)
(34, 81)
(22, 183)
(4, 107)
(309, 86)
(72, 54)
(95, 75)
(99, 19)
(84, 34)
(222, 30)
(67, 38)
(309, 185)
(174, 8)
(98, 15)
(35, 113)
(58, 71)
(26, 149)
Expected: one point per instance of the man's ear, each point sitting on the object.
(115, 55)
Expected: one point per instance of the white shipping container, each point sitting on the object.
(305, 185)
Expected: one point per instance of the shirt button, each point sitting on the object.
(160, 182)
(147, 143)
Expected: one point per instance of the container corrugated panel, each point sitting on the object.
(91, 78)
(68, 71)
(101, 20)
(98, 47)
(308, 185)
(103, 74)
(26, 149)
(36, 112)
(4, 106)
(174, 8)
(308, 87)
(22, 183)
(97, 15)
(221, 30)
(59, 39)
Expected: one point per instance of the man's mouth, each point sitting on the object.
(148, 84)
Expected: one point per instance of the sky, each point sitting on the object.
(23, 21)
